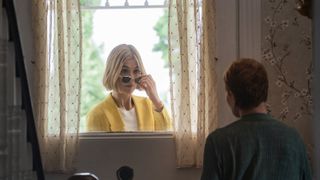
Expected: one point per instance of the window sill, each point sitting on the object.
(126, 135)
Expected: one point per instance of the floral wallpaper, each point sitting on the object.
(287, 55)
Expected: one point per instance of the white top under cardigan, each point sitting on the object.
(129, 118)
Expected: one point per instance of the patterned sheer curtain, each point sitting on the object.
(57, 37)
(192, 71)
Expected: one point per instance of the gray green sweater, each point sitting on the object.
(255, 147)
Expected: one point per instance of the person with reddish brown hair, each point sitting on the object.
(256, 146)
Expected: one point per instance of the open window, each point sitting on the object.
(105, 24)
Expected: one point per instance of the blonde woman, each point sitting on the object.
(121, 110)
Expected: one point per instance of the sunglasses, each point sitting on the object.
(127, 79)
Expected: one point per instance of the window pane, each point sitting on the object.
(146, 29)
(120, 3)
(90, 2)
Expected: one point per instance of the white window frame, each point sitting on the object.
(126, 5)
(126, 135)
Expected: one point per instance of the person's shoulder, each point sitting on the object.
(292, 132)
(289, 134)
(285, 128)
(281, 129)
(230, 130)
(226, 129)
(218, 133)
(97, 108)
(141, 99)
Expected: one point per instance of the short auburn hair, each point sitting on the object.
(247, 79)
(116, 60)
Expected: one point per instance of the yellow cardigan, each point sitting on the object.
(105, 116)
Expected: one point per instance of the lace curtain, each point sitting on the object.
(57, 38)
(192, 71)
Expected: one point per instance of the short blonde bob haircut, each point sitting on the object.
(116, 60)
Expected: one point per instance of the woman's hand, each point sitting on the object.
(148, 84)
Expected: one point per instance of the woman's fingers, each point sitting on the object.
(147, 81)
(149, 85)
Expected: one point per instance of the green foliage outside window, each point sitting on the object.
(161, 29)
(92, 90)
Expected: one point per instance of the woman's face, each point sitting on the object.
(129, 72)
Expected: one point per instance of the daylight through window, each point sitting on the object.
(144, 25)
